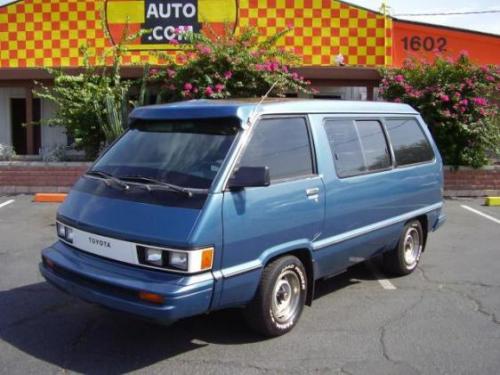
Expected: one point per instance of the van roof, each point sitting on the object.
(243, 108)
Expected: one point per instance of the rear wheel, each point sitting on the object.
(405, 257)
(280, 298)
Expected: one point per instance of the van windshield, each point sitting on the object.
(187, 153)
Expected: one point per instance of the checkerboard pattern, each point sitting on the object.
(36, 33)
(322, 29)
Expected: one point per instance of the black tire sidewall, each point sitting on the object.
(271, 274)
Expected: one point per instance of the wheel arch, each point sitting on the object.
(305, 256)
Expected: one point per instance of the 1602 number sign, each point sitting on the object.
(428, 43)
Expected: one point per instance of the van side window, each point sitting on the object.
(409, 142)
(283, 145)
(374, 145)
(358, 147)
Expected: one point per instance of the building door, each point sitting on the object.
(20, 132)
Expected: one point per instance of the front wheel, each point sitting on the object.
(405, 257)
(280, 298)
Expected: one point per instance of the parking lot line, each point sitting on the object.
(6, 203)
(386, 284)
(477, 212)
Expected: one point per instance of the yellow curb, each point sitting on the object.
(492, 201)
(49, 198)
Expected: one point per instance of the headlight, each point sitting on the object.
(154, 257)
(189, 261)
(65, 233)
(178, 260)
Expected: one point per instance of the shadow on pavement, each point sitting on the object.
(56, 328)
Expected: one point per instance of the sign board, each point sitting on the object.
(168, 20)
(412, 39)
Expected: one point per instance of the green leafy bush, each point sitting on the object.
(457, 99)
(93, 105)
(228, 66)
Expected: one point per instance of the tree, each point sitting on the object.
(457, 99)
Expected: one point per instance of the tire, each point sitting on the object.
(280, 297)
(405, 257)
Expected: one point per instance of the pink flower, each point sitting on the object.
(228, 74)
(219, 87)
(399, 78)
(174, 42)
(464, 53)
(188, 86)
(204, 50)
(490, 78)
(444, 98)
(480, 101)
(464, 102)
(209, 91)
(171, 73)
(446, 113)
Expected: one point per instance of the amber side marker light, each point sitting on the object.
(207, 258)
(151, 297)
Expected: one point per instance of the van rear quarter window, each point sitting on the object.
(357, 147)
(283, 145)
(409, 142)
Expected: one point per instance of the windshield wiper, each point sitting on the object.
(152, 183)
(108, 177)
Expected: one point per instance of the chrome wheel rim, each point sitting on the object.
(286, 297)
(412, 247)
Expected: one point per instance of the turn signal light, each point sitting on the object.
(207, 259)
(151, 297)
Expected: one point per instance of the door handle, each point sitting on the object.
(312, 193)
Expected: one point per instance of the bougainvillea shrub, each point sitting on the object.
(228, 66)
(457, 99)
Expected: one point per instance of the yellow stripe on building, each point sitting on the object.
(123, 11)
(216, 11)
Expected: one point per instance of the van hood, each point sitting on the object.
(156, 218)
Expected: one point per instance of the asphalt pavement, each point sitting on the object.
(442, 319)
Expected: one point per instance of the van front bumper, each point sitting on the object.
(117, 286)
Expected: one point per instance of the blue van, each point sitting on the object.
(205, 205)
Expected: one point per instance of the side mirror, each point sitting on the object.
(250, 177)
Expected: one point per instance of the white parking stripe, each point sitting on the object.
(494, 219)
(386, 284)
(6, 203)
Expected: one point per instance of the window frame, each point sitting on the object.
(310, 138)
(354, 119)
(393, 152)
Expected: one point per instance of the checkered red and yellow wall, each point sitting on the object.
(36, 33)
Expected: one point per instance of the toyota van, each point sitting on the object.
(205, 205)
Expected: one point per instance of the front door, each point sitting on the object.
(19, 132)
(260, 221)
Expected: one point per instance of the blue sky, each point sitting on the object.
(489, 23)
(484, 22)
